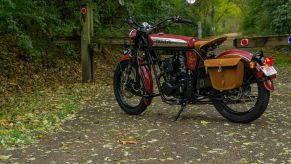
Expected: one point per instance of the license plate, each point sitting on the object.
(269, 70)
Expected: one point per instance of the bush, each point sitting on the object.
(32, 19)
(267, 17)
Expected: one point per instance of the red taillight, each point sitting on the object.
(269, 61)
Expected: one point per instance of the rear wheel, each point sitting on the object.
(245, 104)
(128, 89)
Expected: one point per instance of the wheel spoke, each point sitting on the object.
(242, 100)
(127, 82)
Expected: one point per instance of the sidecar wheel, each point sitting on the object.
(129, 102)
(250, 113)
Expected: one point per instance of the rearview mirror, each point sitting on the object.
(191, 1)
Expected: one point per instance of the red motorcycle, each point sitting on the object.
(188, 71)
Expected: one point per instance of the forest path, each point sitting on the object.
(103, 133)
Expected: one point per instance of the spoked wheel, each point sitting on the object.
(245, 104)
(128, 89)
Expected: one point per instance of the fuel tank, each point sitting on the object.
(169, 40)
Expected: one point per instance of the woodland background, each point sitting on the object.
(39, 80)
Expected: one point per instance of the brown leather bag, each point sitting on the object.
(225, 73)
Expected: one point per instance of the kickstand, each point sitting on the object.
(183, 106)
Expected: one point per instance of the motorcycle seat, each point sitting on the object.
(204, 43)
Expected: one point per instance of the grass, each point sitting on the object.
(282, 58)
(37, 113)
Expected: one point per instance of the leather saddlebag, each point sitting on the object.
(225, 73)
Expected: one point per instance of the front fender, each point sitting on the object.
(125, 57)
(145, 72)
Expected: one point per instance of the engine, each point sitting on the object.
(174, 77)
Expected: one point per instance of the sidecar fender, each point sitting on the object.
(145, 72)
(247, 56)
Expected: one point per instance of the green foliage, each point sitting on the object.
(282, 18)
(267, 17)
(38, 112)
(68, 50)
(111, 15)
(32, 19)
(25, 42)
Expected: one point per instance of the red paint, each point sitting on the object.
(244, 42)
(241, 53)
(83, 10)
(124, 58)
(273, 77)
(147, 76)
(268, 84)
(191, 60)
(150, 41)
(148, 81)
(189, 40)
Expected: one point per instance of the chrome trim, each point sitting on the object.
(168, 42)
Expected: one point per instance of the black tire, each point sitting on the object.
(247, 116)
(117, 82)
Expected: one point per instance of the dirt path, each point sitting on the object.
(102, 133)
(201, 135)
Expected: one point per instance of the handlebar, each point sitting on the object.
(185, 21)
(175, 19)
(131, 22)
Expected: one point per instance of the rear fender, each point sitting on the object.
(145, 72)
(268, 84)
(247, 56)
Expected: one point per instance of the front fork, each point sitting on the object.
(143, 74)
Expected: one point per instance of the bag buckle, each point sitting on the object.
(219, 69)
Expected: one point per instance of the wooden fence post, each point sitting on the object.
(86, 33)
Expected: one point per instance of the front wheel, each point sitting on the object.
(128, 89)
(245, 104)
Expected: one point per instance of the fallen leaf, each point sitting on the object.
(153, 140)
(204, 122)
(5, 157)
(152, 130)
(248, 143)
(45, 122)
(86, 98)
(244, 161)
(127, 142)
(170, 158)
